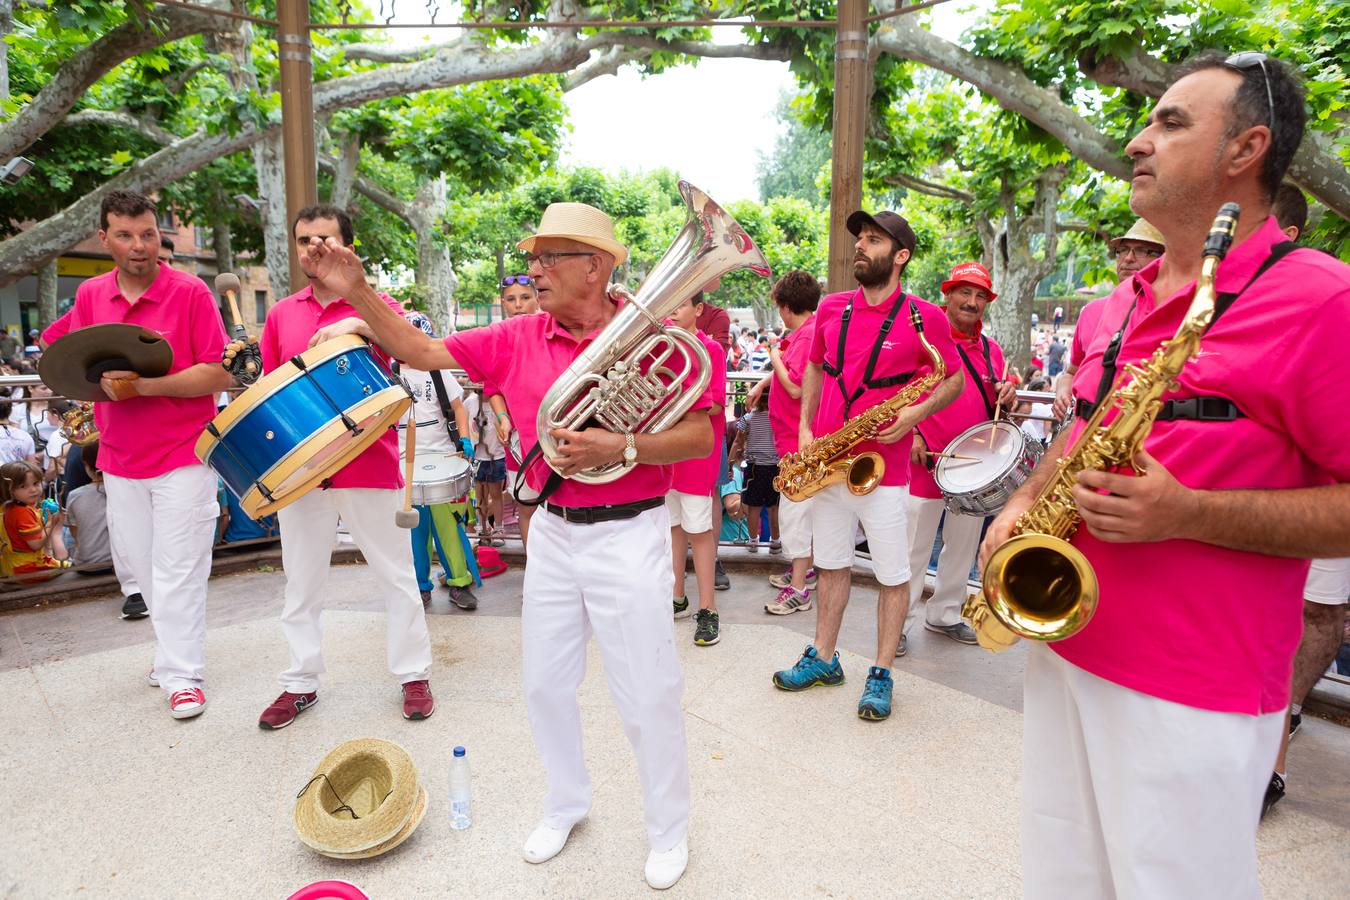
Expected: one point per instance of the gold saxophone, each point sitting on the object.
(825, 460)
(1037, 585)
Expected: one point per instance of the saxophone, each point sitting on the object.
(1037, 585)
(825, 460)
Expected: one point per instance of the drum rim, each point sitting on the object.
(942, 463)
(257, 506)
(271, 384)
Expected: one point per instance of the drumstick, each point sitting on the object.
(407, 517)
(951, 455)
(998, 407)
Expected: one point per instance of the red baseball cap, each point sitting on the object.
(971, 273)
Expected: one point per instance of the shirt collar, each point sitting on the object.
(785, 339)
(155, 293)
(884, 307)
(1237, 268)
(969, 338)
(553, 330)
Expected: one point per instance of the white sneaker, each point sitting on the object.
(187, 703)
(664, 869)
(545, 842)
(151, 678)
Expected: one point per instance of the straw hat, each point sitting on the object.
(1141, 230)
(578, 222)
(363, 800)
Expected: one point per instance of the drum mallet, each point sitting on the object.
(407, 517)
(247, 363)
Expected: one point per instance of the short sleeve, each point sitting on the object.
(485, 353)
(270, 342)
(58, 329)
(816, 355)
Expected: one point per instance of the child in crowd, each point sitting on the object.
(690, 500)
(87, 512)
(754, 445)
(734, 529)
(491, 477)
(31, 544)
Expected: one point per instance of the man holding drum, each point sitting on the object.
(600, 556)
(966, 294)
(161, 500)
(365, 493)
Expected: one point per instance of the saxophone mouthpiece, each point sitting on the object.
(1221, 232)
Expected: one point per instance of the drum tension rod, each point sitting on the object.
(347, 421)
(215, 433)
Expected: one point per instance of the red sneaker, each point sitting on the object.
(417, 700)
(285, 708)
(187, 703)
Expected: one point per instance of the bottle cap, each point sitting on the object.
(459, 751)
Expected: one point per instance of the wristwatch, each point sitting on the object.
(629, 451)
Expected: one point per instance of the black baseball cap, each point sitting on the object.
(892, 223)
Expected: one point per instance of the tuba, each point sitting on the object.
(630, 379)
(1037, 585)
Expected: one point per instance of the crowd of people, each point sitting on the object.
(1150, 735)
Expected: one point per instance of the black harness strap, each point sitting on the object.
(980, 381)
(836, 370)
(551, 485)
(443, 397)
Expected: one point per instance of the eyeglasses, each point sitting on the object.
(549, 259)
(1138, 250)
(1247, 59)
(517, 279)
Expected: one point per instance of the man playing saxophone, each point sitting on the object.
(1150, 733)
(599, 560)
(863, 352)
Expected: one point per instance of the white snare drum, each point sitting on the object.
(440, 478)
(1003, 458)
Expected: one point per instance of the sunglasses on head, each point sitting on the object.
(516, 279)
(1250, 59)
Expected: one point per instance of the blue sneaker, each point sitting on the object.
(809, 671)
(876, 696)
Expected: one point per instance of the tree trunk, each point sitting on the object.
(268, 162)
(6, 25)
(46, 295)
(344, 176)
(222, 243)
(435, 281)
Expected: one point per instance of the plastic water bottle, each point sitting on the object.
(459, 790)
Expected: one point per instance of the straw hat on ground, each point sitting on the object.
(578, 222)
(363, 800)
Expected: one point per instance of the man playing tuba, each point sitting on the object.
(599, 561)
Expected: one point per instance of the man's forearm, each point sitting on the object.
(943, 395)
(689, 438)
(780, 370)
(811, 382)
(397, 336)
(1304, 523)
(194, 381)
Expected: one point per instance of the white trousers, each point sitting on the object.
(1129, 797)
(960, 542)
(612, 579)
(794, 527)
(307, 529)
(162, 529)
(835, 515)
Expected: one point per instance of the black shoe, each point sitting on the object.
(463, 598)
(1274, 794)
(134, 607)
(426, 598)
(861, 547)
(720, 580)
(1295, 723)
(706, 631)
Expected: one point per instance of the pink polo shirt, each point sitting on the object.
(785, 411)
(699, 476)
(902, 352)
(966, 410)
(144, 437)
(1086, 328)
(522, 357)
(290, 325)
(1190, 622)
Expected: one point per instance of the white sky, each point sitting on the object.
(708, 122)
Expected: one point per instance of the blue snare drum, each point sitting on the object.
(302, 422)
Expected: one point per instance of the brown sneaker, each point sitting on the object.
(417, 700)
(285, 708)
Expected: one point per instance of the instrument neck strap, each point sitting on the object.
(980, 381)
(443, 397)
(552, 484)
(836, 370)
(1221, 304)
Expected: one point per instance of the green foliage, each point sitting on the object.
(799, 155)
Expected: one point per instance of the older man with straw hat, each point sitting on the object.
(599, 561)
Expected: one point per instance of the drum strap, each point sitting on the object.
(551, 485)
(443, 397)
(836, 370)
(980, 380)
(347, 421)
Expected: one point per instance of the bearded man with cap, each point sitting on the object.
(599, 558)
(966, 294)
(1132, 251)
(863, 352)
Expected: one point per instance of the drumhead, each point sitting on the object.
(438, 467)
(996, 446)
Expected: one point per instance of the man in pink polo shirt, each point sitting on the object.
(161, 500)
(966, 294)
(599, 560)
(796, 295)
(1150, 734)
(365, 493)
(863, 351)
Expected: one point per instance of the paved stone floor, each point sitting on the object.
(106, 796)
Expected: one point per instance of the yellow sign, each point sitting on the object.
(82, 267)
